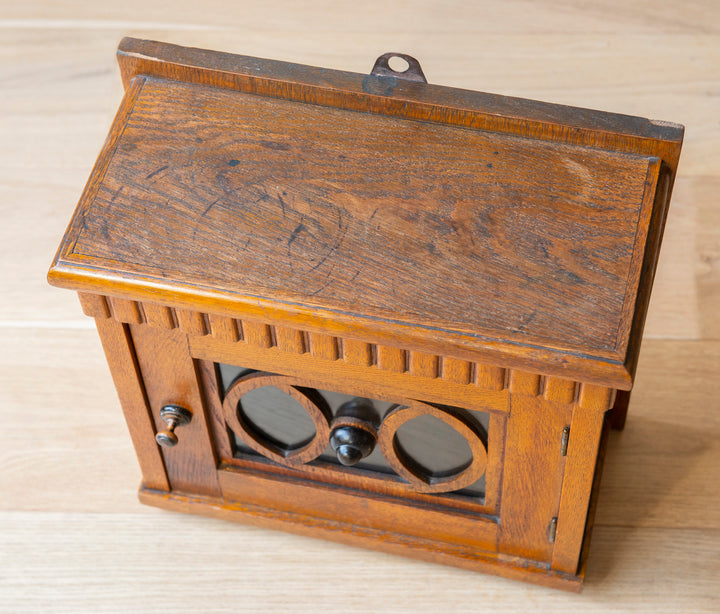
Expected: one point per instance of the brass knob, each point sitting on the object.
(174, 416)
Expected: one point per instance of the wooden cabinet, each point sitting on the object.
(367, 308)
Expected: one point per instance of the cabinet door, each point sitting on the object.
(426, 478)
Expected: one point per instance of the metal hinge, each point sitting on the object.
(564, 441)
(552, 529)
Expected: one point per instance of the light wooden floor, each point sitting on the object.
(73, 537)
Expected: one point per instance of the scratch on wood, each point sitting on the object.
(296, 232)
(115, 195)
(327, 283)
(212, 204)
(332, 250)
(160, 170)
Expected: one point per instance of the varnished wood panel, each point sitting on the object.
(289, 340)
(170, 377)
(597, 272)
(94, 305)
(359, 510)
(126, 311)
(257, 333)
(582, 457)
(224, 328)
(455, 370)
(192, 322)
(350, 351)
(391, 359)
(532, 476)
(357, 353)
(160, 315)
(478, 256)
(559, 390)
(356, 379)
(122, 360)
(424, 365)
(353, 91)
(323, 346)
(487, 376)
(479, 275)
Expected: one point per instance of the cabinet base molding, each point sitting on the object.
(433, 551)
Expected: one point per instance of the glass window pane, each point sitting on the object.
(277, 416)
(435, 447)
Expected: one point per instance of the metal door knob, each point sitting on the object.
(174, 416)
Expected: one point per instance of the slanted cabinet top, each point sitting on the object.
(500, 230)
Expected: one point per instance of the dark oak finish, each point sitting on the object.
(443, 252)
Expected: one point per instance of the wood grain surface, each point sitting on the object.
(374, 217)
(518, 229)
(73, 537)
